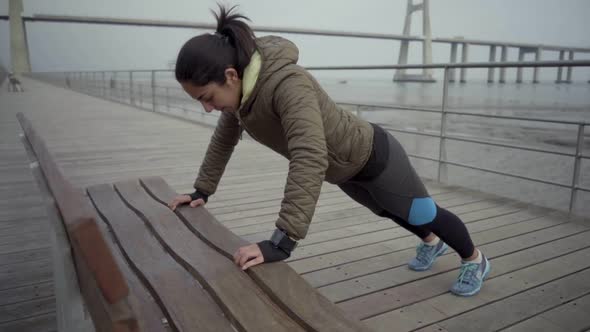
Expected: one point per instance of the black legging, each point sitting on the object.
(446, 225)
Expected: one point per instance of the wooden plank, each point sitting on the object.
(320, 230)
(24, 228)
(447, 305)
(26, 256)
(219, 275)
(498, 315)
(149, 314)
(299, 299)
(27, 235)
(438, 283)
(570, 316)
(25, 273)
(355, 254)
(20, 310)
(170, 284)
(40, 323)
(400, 274)
(26, 293)
(261, 204)
(383, 262)
(24, 245)
(319, 219)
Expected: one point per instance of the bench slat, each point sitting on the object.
(188, 305)
(299, 299)
(149, 314)
(248, 306)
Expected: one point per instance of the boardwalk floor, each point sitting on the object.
(540, 277)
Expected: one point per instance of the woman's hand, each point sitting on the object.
(248, 256)
(184, 199)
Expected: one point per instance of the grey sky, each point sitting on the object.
(91, 47)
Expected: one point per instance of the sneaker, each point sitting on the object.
(425, 255)
(471, 277)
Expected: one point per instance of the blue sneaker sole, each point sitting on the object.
(475, 291)
(440, 253)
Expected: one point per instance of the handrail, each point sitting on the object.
(132, 92)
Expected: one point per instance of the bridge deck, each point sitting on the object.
(540, 259)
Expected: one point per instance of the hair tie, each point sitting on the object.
(221, 36)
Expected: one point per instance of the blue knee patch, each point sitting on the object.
(423, 211)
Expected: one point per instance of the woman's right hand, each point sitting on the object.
(184, 199)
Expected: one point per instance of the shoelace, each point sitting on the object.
(423, 251)
(467, 272)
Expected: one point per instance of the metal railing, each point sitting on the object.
(147, 94)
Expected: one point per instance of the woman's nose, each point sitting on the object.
(208, 107)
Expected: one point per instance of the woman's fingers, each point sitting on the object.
(178, 200)
(255, 261)
(197, 202)
(248, 256)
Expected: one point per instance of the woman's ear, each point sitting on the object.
(231, 74)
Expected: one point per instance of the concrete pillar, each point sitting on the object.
(19, 50)
(464, 57)
(426, 76)
(492, 59)
(519, 69)
(536, 69)
(404, 44)
(453, 60)
(503, 58)
(560, 69)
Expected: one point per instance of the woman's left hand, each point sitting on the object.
(248, 256)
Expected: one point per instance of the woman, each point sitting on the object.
(258, 87)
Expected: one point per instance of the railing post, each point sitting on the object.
(569, 69)
(167, 100)
(94, 84)
(464, 59)
(140, 93)
(153, 90)
(503, 58)
(577, 165)
(131, 100)
(443, 124)
(104, 88)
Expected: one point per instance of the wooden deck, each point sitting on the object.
(540, 259)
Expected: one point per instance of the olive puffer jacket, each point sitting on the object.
(290, 113)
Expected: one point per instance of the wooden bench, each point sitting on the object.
(122, 256)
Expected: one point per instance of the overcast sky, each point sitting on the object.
(56, 47)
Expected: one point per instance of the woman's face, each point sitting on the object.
(213, 96)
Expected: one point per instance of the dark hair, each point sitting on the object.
(205, 58)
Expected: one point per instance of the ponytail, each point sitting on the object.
(205, 58)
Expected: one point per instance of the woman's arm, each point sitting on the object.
(296, 103)
(221, 147)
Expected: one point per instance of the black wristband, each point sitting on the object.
(272, 253)
(197, 194)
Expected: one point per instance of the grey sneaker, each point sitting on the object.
(471, 277)
(426, 255)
